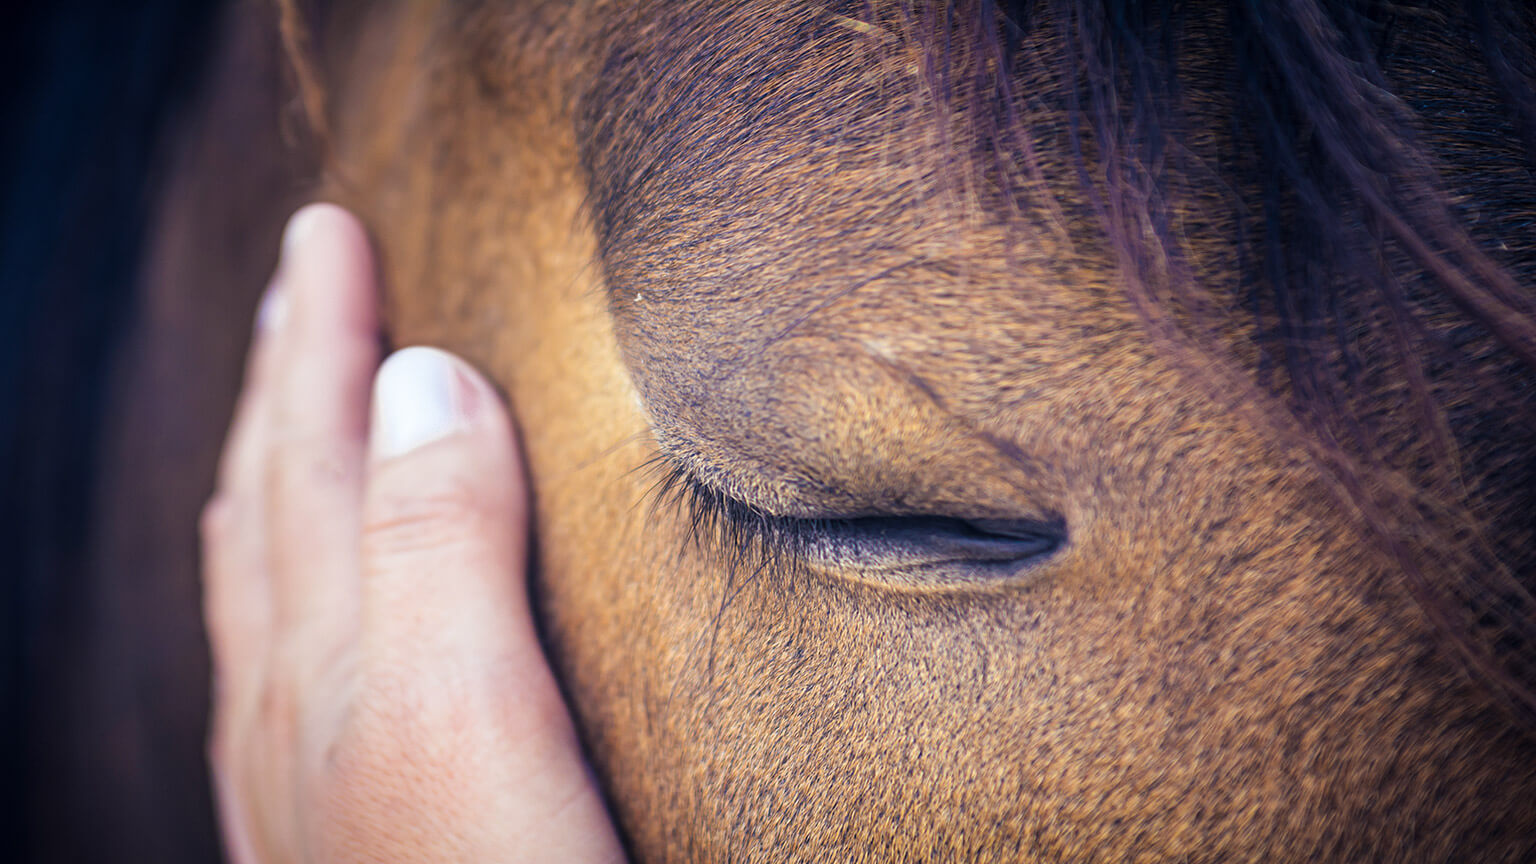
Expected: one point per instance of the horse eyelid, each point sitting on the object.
(751, 540)
(725, 529)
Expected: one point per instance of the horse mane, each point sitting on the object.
(1355, 260)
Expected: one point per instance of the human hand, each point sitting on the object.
(380, 692)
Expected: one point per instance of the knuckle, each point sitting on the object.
(310, 660)
(404, 524)
(279, 706)
(298, 467)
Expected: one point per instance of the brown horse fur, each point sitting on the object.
(753, 272)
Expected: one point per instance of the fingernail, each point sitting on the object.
(419, 396)
(273, 308)
(300, 226)
(296, 235)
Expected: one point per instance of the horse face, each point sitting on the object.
(869, 524)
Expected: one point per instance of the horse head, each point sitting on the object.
(1064, 431)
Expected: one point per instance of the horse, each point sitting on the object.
(971, 431)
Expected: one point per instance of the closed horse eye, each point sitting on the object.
(936, 551)
(913, 551)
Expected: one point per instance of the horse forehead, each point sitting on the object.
(789, 252)
(762, 176)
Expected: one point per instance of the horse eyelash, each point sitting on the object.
(721, 526)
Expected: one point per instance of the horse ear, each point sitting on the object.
(298, 21)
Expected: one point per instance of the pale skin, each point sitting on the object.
(380, 691)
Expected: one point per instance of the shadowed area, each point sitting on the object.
(87, 90)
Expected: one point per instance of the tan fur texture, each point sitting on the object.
(1217, 665)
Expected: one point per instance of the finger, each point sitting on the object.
(230, 802)
(447, 633)
(445, 512)
(236, 606)
(240, 464)
(236, 602)
(327, 351)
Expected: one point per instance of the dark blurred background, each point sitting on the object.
(87, 89)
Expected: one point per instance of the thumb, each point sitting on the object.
(448, 648)
(445, 519)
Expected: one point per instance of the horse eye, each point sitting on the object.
(936, 551)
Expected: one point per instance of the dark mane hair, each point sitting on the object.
(1387, 291)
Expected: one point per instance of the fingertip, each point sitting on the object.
(444, 540)
(326, 273)
(319, 329)
(422, 395)
(319, 219)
